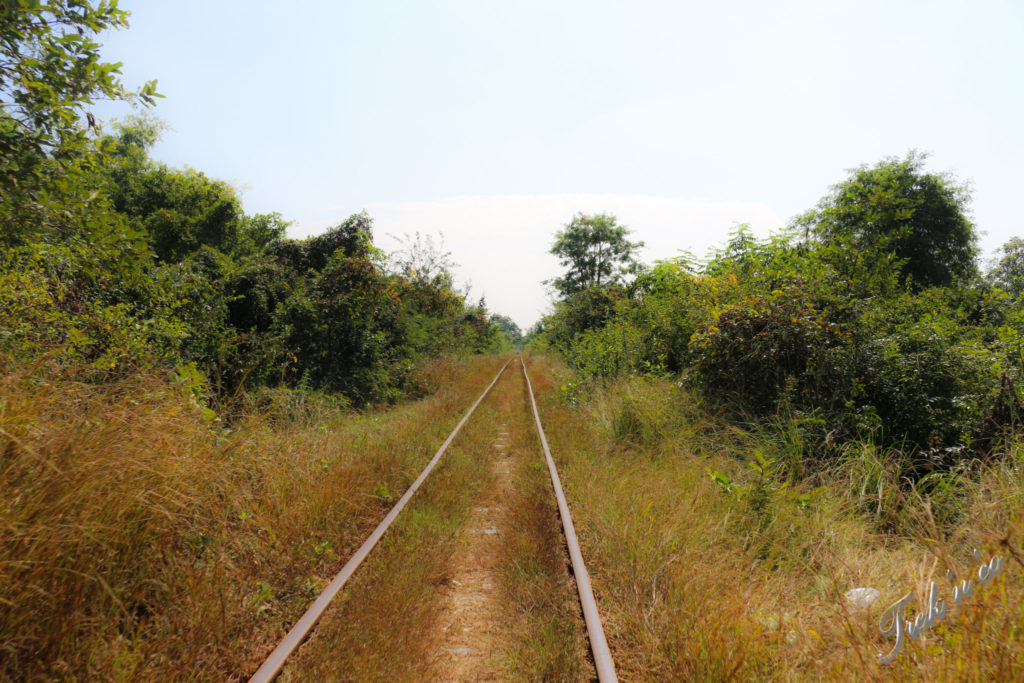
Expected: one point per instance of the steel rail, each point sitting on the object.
(598, 644)
(272, 665)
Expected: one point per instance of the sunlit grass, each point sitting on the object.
(384, 626)
(140, 542)
(696, 581)
(546, 638)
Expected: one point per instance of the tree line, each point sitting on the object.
(110, 260)
(868, 319)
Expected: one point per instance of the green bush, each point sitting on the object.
(754, 349)
(773, 332)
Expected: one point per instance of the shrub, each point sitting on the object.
(751, 350)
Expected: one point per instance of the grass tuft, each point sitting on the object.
(742, 575)
(141, 541)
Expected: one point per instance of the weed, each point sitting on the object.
(546, 639)
(136, 542)
(696, 585)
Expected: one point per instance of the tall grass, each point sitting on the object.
(546, 639)
(140, 541)
(742, 576)
(388, 623)
(385, 626)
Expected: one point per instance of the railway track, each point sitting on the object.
(602, 659)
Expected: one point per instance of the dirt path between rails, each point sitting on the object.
(475, 617)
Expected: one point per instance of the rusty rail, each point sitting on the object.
(298, 633)
(598, 644)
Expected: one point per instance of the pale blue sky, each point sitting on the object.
(494, 122)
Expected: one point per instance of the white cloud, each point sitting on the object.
(501, 242)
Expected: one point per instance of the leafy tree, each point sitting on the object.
(895, 215)
(180, 210)
(508, 327)
(596, 251)
(670, 302)
(353, 236)
(343, 328)
(261, 230)
(477, 333)
(747, 352)
(869, 327)
(1008, 272)
(587, 309)
(50, 72)
(110, 261)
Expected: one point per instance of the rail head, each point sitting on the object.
(598, 643)
(273, 664)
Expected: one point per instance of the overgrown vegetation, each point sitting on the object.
(162, 267)
(709, 563)
(112, 261)
(867, 321)
(180, 463)
(136, 543)
(753, 435)
(745, 437)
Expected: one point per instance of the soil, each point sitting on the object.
(474, 616)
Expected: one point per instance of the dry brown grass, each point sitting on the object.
(382, 627)
(387, 624)
(138, 542)
(695, 585)
(546, 636)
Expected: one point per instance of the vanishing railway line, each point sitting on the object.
(603, 663)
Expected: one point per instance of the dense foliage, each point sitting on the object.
(896, 215)
(867, 321)
(595, 251)
(164, 265)
(111, 261)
